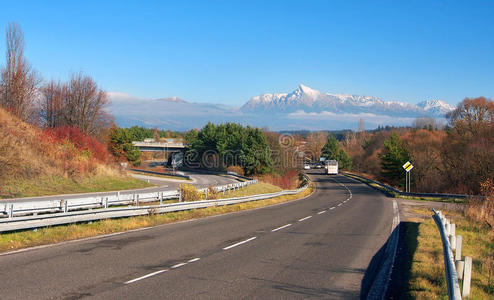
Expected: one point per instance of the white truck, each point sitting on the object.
(331, 167)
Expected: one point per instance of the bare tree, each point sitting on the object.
(52, 105)
(84, 104)
(18, 82)
(315, 142)
(426, 123)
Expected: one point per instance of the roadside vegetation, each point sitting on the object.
(57, 185)
(190, 193)
(427, 276)
(51, 235)
(36, 162)
(452, 158)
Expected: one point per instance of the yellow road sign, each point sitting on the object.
(407, 166)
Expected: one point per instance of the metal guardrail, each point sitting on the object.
(401, 193)
(451, 275)
(14, 209)
(27, 215)
(455, 268)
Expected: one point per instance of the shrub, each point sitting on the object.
(190, 193)
(81, 141)
(212, 193)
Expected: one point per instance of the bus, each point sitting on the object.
(331, 167)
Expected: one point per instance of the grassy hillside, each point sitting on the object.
(37, 162)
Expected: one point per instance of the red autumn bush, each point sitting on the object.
(80, 140)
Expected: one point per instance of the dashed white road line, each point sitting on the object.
(339, 204)
(240, 243)
(333, 207)
(321, 212)
(146, 276)
(193, 260)
(303, 219)
(279, 228)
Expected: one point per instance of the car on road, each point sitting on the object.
(306, 167)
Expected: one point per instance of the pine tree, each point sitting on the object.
(394, 156)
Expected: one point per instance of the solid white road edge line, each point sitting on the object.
(145, 276)
(279, 228)
(178, 265)
(240, 243)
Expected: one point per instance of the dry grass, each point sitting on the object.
(34, 162)
(482, 208)
(56, 185)
(253, 189)
(288, 181)
(50, 235)
(427, 277)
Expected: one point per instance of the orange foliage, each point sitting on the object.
(287, 181)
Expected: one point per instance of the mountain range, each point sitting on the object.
(310, 100)
(304, 108)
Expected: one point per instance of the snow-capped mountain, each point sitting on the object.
(436, 107)
(312, 101)
(304, 108)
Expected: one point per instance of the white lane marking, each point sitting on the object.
(279, 228)
(321, 212)
(178, 265)
(332, 207)
(193, 260)
(339, 204)
(303, 219)
(145, 276)
(240, 243)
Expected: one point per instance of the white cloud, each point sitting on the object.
(118, 96)
(332, 116)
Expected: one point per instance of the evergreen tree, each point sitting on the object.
(233, 145)
(330, 149)
(121, 146)
(333, 151)
(392, 159)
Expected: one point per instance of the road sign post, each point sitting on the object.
(408, 167)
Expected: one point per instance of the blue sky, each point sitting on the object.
(228, 51)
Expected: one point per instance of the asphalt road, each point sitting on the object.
(200, 180)
(317, 247)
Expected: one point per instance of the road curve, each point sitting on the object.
(317, 247)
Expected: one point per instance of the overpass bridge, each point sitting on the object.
(160, 146)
